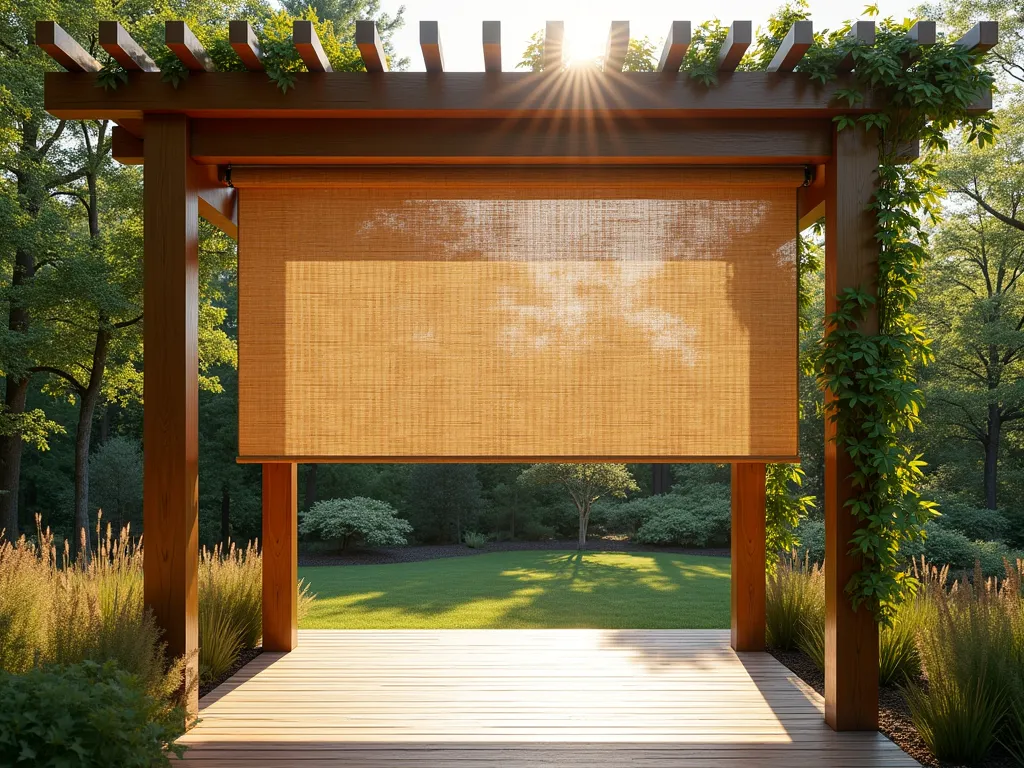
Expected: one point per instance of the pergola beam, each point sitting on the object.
(116, 41)
(430, 45)
(617, 46)
(862, 33)
(982, 37)
(183, 43)
(370, 46)
(63, 48)
(677, 42)
(737, 40)
(307, 43)
(551, 141)
(799, 38)
(418, 95)
(553, 55)
(245, 43)
(492, 46)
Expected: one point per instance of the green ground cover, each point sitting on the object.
(508, 590)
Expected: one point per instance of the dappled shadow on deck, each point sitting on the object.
(522, 698)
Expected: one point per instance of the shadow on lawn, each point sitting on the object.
(544, 589)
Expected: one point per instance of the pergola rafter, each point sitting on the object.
(190, 138)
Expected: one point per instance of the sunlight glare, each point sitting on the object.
(584, 41)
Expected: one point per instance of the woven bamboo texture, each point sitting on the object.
(467, 320)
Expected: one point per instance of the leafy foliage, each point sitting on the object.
(872, 374)
(85, 715)
(700, 518)
(585, 484)
(372, 522)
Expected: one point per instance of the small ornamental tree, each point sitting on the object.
(374, 523)
(586, 483)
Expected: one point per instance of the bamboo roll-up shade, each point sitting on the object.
(478, 318)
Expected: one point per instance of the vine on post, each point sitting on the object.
(927, 92)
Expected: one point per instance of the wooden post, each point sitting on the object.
(748, 556)
(851, 261)
(171, 391)
(280, 557)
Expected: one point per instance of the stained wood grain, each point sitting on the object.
(490, 141)
(851, 261)
(171, 389)
(280, 557)
(522, 698)
(748, 557)
(572, 93)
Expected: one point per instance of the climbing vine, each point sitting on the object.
(280, 59)
(925, 92)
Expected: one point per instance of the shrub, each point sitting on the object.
(811, 535)
(359, 519)
(794, 591)
(946, 547)
(699, 518)
(973, 522)
(475, 540)
(84, 715)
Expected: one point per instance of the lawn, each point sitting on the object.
(601, 590)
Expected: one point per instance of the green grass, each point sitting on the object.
(601, 590)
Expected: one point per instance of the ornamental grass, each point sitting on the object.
(55, 609)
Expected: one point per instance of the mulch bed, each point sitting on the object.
(386, 555)
(893, 715)
(247, 655)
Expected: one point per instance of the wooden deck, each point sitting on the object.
(522, 698)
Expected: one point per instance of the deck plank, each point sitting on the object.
(516, 698)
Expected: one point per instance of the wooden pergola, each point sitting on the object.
(192, 138)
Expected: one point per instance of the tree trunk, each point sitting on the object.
(225, 514)
(88, 400)
(309, 494)
(582, 543)
(32, 194)
(105, 425)
(10, 460)
(992, 455)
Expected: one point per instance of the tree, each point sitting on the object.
(373, 522)
(585, 483)
(958, 17)
(444, 500)
(974, 301)
(36, 161)
(116, 480)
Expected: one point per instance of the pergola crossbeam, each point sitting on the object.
(677, 42)
(370, 46)
(116, 41)
(982, 37)
(617, 46)
(799, 38)
(863, 34)
(244, 42)
(307, 43)
(430, 45)
(553, 55)
(63, 48)
(737, 40)
(492, 46)
(184, 44)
